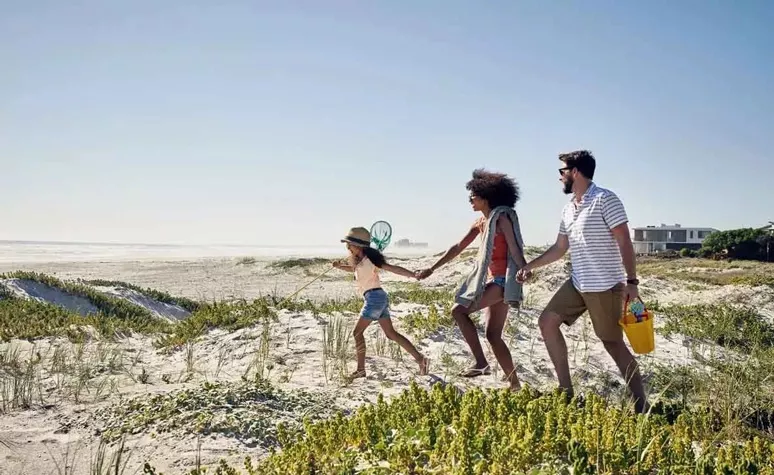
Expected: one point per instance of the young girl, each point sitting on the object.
(365, 262)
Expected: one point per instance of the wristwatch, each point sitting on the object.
(634, 281)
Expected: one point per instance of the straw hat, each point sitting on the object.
(358, 237)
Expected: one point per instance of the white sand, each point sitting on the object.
(41, 436)
(163, 310)
(43, 293)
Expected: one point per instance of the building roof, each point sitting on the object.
(674, 227)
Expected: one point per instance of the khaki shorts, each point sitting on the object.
(605, 308)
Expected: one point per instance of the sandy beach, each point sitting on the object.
(84, 391)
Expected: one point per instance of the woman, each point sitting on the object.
(489, 191)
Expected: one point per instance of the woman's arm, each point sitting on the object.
(452, 252)
(505, 226)
(398, 270)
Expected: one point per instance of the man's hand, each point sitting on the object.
(423, 274)
(632, 292)
(523, 274)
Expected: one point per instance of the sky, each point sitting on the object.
(248, 122)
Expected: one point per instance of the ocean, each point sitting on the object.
(41, 251)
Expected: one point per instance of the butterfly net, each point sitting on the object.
(381, 233)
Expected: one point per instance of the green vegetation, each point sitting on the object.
(247, 261)
(228, 316)
(745, 243)
(248, 410)
(738, 328)
(188, 304)
(498, 432)
(108, 305)
(421, 325)
(735, 385)
(420, 294)
(304, 262)
(20, 318)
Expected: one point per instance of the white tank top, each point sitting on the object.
(367, 276)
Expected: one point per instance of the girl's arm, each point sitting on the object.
(344, 267)
(505, 226)
(398, 270)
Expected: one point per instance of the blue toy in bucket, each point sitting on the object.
(638, 309)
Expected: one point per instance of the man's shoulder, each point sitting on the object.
(603, 194)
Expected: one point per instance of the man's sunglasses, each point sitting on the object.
(562, 170)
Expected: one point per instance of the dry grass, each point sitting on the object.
(708, 271)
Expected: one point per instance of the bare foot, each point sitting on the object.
(424, 365)
(360, 373)
(515, 386)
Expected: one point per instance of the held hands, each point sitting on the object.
(523, 274)
(423, 274)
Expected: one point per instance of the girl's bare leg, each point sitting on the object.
(360, 347)
(391, 333)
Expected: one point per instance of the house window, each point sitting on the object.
(691, 234)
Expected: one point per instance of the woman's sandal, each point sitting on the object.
(473, 372)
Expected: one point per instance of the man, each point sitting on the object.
(594, 228)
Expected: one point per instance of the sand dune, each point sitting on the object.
(84, 391)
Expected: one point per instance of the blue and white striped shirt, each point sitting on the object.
(594, 254)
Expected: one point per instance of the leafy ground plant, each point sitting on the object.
(249, 411)
(498, 432)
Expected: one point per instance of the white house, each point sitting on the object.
(651, 239)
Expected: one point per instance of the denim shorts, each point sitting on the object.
(376, 305)
(499, 280)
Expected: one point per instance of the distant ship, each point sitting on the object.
(407, 243)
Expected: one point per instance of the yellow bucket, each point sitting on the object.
(640, 334)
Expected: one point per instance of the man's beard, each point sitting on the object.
(568, 186)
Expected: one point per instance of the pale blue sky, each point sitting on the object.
(289, 122)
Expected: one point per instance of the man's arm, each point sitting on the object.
(614, 214)
(624, 240)
(552, 254)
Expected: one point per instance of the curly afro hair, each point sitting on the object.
(498, 189)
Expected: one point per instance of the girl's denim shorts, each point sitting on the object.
(376, 305)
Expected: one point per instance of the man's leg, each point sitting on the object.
(630, 371)
(606, 310)
(565, 307)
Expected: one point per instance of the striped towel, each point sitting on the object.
(472, 287)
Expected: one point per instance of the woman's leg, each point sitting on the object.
(497, 314)
(492, 295)
(391, 333)
(360, 347)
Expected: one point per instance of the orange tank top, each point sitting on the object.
(498, 264)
